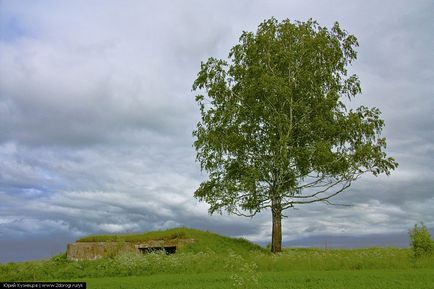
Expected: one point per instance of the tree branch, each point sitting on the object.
(289, 204)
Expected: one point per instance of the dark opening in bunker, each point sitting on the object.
(168, 250)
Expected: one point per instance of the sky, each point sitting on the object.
(97, 114)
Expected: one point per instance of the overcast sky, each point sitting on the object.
(96, 115)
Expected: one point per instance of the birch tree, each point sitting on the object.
(275, 131)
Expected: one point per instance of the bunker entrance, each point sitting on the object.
(168, 250)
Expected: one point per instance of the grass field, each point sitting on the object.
(341, 279)
(220, 262)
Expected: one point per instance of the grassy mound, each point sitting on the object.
(215, 261)
(231, 269)
(203, 241)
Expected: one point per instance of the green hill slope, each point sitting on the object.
(203, 241)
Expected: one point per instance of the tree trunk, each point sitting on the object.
(276, 234)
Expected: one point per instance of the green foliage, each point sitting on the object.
(221, 262)
(231, 269)
(274, 129)
(244, 273)
(378, 279)
(420, 241)
(212, 242)
(59, 258)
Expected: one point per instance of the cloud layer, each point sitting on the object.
(96, 115)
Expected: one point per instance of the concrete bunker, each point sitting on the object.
(96, 250)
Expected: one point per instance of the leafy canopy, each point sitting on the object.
(274, 127)
(420, 241)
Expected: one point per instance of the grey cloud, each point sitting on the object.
(96, 114)
(82, 86)
(67, 105)
(342, 241)
(42, 247)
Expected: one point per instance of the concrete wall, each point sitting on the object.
(95, 250)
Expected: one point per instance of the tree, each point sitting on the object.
(420, 241)
(274, 129)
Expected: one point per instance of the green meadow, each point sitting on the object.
(214, 261)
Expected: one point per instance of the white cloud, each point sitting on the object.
(96, 114)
